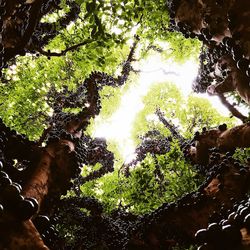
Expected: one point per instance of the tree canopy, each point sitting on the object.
(65, 67)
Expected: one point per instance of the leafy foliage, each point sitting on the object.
(190, 114)
(98, 39)
(155, 180)
(25, 100)
(104, 28)
(242, 155)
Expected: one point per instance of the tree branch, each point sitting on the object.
(62, 53)
(127, 64)
(192, 212)
(170, 126)
(232, 109)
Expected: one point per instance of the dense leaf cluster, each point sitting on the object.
(52, 87)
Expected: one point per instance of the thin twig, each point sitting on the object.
(62, 53)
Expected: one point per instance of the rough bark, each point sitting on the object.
(37, 186)
(14, 41)
(187, 215)
(20, 235)
(179, 221)
(224, 140)
(212, 21)
(42, 181)
(235, 81)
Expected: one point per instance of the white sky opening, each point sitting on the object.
(153, 70)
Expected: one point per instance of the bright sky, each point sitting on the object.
(119, 126)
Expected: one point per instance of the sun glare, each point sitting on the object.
(153, 70)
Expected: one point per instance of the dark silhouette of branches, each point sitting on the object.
(63, 53)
